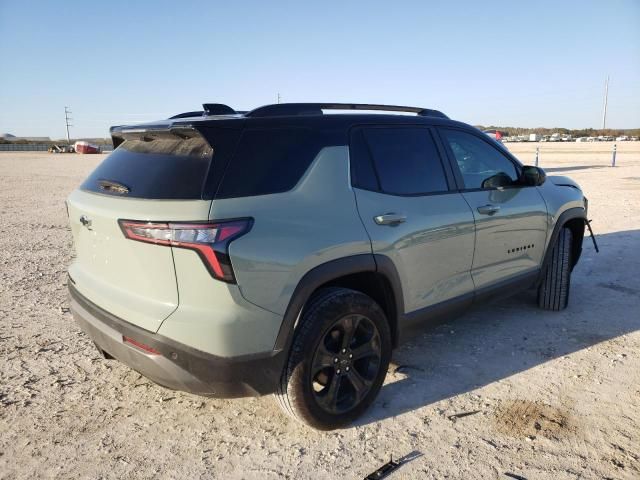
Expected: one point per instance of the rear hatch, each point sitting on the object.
(153, 176)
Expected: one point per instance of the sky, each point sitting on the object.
(503, 63)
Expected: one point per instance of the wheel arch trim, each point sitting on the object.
(334, 270)
(566, 216)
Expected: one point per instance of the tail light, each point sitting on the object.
(210, 240)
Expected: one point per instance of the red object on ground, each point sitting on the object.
(85, 147)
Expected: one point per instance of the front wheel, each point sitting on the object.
(553, 293)
(338, 360)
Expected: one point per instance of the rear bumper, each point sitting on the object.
(177, 366)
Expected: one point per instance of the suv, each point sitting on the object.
(286, 250)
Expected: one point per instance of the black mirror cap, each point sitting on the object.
(533, 176)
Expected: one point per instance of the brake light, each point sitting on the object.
(210, 240)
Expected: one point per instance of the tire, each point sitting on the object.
(324, 383)
(553, 293)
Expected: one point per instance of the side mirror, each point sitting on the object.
(533, 176)
(498, 180)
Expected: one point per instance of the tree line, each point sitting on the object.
(582, 132)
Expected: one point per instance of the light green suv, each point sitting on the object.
(287, 250)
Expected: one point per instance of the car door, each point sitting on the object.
(411, 214)
(511, 218)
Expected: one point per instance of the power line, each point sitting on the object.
(604, 108)
(67, 119)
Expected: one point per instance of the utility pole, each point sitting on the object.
(278, 97)
(604, 108)
(67, 119)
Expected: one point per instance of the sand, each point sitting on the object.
(555, 395)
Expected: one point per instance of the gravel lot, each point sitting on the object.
(552, 395)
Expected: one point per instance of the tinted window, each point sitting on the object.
(406, 160)
(160, 166)
(268, 161)
(362, 173)
(481, 164)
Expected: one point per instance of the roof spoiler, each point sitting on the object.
(120, 133)
(287, 109)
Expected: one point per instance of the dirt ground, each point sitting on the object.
(548, 395)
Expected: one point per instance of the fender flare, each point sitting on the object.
(570, 214)
(310, 282)
(333, 270)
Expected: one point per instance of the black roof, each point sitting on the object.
(296, 109)
(309, 115)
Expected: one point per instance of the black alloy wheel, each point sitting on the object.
(338, 360)
(346, 363)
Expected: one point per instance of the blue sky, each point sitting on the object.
(483, 62)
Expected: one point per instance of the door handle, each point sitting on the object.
(390, 219)
(488, 209)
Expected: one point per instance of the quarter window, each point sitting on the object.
(481, 164)
(269, 161)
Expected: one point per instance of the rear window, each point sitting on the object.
(269, 161)
(159, 166)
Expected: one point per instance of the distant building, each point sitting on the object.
(12, 138)
(34, 139)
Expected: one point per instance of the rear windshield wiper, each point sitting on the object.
(110, 186)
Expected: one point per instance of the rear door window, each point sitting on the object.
(156, 166)
(404, 160)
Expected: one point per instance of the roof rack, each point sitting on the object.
(209, 109)
(286, 109)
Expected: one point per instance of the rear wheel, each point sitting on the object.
(338, 360)
(553, 293)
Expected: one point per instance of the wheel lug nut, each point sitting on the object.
(351, 355)
(335, 360)
(347, 369)
(338, 371)
(344, 350)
